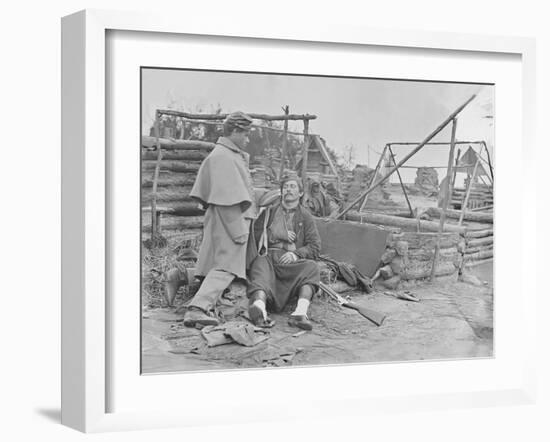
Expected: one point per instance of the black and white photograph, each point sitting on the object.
(300, 220)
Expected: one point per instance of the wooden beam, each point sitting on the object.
(284, 154)
(173, 144)
(402, 185)
(305, 149)
(154, 219)
(364, 203)
(397, 221)
(408, 156)
(221, 117)
(469, 215)
(445, 201)
(434, 143)
(467, 197)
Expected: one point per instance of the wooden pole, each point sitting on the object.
(305, 157)
(221, 117)
(434, 143)
(454, 173)
(445, 202)
(467, 197)
(154, 219)
(408, 156)
(402, 185)
(489, 161)
(376, 169)
(283, 154)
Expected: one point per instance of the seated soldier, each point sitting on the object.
(317, 202)
(287, 242)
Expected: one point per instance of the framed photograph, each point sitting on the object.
(290, 210)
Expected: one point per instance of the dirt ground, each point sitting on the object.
(452, 320)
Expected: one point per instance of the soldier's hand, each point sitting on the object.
(291, 236)
(241, 239)
(288, 257)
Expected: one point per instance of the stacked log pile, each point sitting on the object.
(180, 163)
(479, 247)
(480, 196)
(409, 256)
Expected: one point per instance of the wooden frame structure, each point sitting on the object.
(217, 119)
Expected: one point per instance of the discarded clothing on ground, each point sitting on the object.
(185, 341)
(349, 273)
(239, 332)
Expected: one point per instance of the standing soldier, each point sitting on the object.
(224, 187)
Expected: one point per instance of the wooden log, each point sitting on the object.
(176, 223)
(423, 269)
(183, 209)
(173, 166)
(285, 140)
(479, 233)
(480, 241)
(427, 254)
(167, 194)
(221, 117)
(479, 255)
(416, 240)
(170, 180)
(468, 216)
(446, 198)
(376, 169)
(156, 167)
(476, 249)
(483, 208)
(185, 155)
(172, 144)
(478, 262)
(396, 221)
(467, 196)
(305, 159)
(402, 185)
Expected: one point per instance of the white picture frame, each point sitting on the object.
(85, 215)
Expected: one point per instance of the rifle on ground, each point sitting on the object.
(373, 316)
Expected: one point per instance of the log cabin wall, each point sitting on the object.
(180, 214)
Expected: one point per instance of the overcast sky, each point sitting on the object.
(358, 112)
